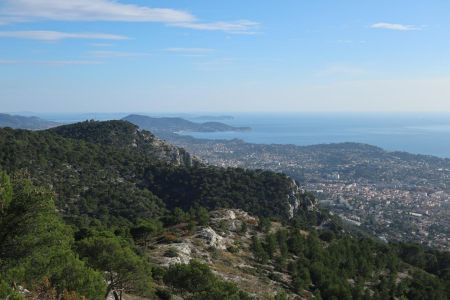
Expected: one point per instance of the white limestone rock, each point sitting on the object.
(212, 238)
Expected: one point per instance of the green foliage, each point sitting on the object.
(296, 243)
(259, 192)
(202, 216)
(171, 252)
(259, 252)
(327, 235)
(163, 294)
(425, 286)
(281, 295)
(196, 281)
(112, 174)
(179, 216)
(5, 192)
(244, 228)
(145, 229)
(264, 224)
(34, 243)
(413, 254)
(115, 133)
(94, 183)
(124, 270)
(317, 295)
(270, 244)
(282, 237)
(6, 292)
(328, 264)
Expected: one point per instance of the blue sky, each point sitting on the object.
(224, 56)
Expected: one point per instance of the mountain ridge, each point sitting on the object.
(173, 124)
(22, 122)
(140, 164)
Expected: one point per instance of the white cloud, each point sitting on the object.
(236, 27)
(110, 10)
(90, 10)
(101, 45)
(193, 51)
(351, 42)
(115, 54)
(50, 62)
(66, 62)
(44, 35)
(393, 26)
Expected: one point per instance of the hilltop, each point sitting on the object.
(95, 166)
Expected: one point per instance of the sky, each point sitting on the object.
(224, 56)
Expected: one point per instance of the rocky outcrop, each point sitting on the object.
(212, 238)
(173, 155)
(231, 219)
(183, 254)
(297, 199)
(226, 246)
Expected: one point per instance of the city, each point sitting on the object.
(394, 195)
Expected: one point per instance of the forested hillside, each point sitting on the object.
(86, 209)
(113, 172)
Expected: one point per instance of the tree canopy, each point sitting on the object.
(35, 244)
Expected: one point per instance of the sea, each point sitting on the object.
(419, 133)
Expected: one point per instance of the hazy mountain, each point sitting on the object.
(178, 124)
(21, 122)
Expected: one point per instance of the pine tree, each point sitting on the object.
(258, 250)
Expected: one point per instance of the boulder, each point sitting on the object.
(212, 238)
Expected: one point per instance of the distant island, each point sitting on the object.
(173, 124)
(22, 122)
